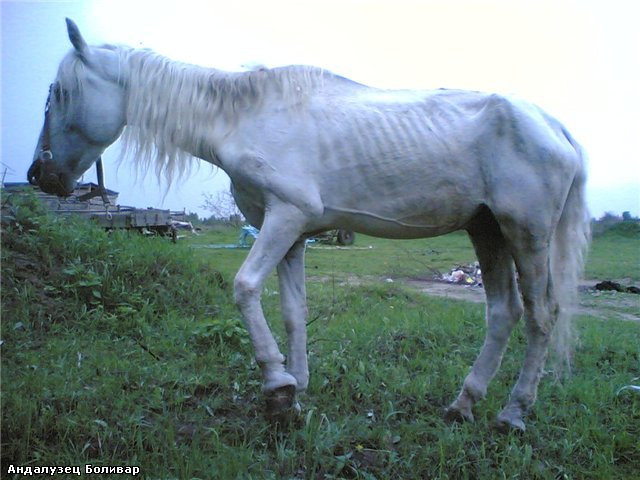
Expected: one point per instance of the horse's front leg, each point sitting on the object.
(294, 312)
(280, 230)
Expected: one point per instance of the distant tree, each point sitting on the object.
(604, 223)
(193, 218)
(223, 207)
(609, 217)
(625, 225)
(608, 220)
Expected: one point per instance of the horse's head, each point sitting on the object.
(85, 113)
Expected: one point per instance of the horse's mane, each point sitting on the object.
(171, 105)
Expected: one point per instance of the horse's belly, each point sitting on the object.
(415, 224)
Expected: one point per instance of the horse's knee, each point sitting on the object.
(516, 308)
(499, 329)
(502, 317)
(244, 288)
(294, 316)
(541, 319)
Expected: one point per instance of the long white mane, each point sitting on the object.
(171, 105)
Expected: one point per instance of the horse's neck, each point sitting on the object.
(184, 108)
(174, 106)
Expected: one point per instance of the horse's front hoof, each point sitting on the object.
(456, 415)
(281, 403)
(510, 423)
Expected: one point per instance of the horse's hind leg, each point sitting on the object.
(504, 308)
(294, 312)
(541, 313)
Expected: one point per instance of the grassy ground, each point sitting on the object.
(122, 350)
(615, 254)
(369, 255)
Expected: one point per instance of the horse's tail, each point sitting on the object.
(568, 254)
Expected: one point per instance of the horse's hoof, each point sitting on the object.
(281, 403)
(506, 424)
(455, 415)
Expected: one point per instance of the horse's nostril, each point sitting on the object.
(34, 173)
(52, 179)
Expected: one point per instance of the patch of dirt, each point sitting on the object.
(21, 269)
(438, 288)
(605, 305)
(621, 306)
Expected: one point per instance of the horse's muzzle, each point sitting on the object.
(34, 172)
(49, 182)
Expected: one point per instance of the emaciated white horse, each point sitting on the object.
(308, 151)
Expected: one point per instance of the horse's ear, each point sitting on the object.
(76, 39)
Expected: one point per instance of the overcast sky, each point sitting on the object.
(577, 59)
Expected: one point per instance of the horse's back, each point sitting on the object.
(406, 163)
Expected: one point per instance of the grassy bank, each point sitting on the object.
(124, 350)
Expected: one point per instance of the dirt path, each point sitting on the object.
(604, 305)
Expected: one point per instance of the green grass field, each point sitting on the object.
(128, 351)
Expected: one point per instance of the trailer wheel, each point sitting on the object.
(346, 237)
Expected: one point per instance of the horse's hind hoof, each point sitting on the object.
(281, 403)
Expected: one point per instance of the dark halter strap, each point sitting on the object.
(45, 149)
(46, 155)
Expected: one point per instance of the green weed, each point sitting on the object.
(124, 350)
